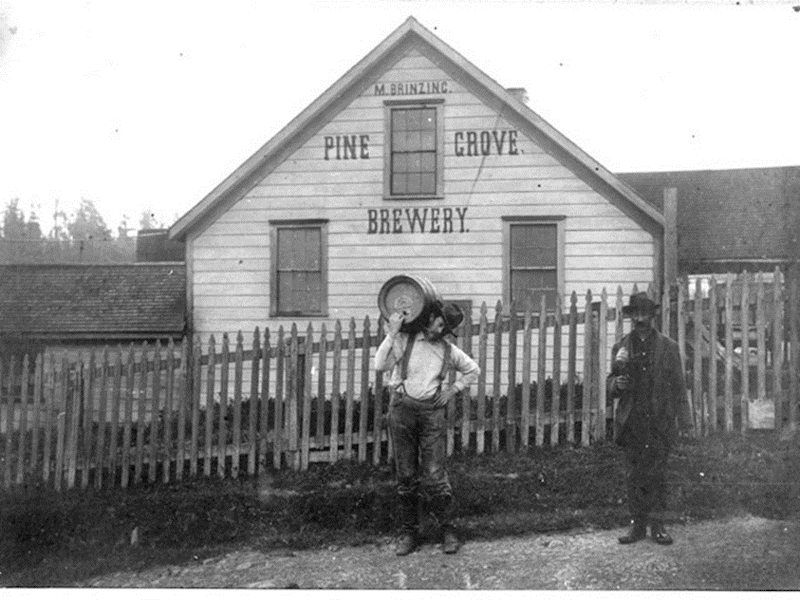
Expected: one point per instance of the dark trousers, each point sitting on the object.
(420, 449)
(647, 490)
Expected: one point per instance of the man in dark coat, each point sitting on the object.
(647, 376)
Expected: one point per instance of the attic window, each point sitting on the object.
(415, 143)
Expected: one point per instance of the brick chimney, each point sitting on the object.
(519, 93)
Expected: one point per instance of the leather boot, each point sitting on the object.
(660, 534)
(637, 532)
(407, 540)
(442, 510)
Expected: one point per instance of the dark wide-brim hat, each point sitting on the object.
(452, 315)
(640, 301)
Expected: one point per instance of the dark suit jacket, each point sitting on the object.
(669, 391)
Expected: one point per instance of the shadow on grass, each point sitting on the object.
(51, 539)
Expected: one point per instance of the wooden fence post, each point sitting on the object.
(483, 332)
(377, 413)
(23, 419)
(466, 395)
(526, 378)
(169, 405)
(127, 416)
(555, 412)
(50, 404)
(305, 432)
(9, 420)
(697, 370)
(777, 348)
(498, 366)
(87, 404)
(183, 396)
(292, 392)
(197, 390)
(321, 376)
(541, 373)
(680, 314)
(794, 345)
(713, 344)
(140, 414)
(103, 401)
(279, 428)
(761, 368)
(211, 368)
(729, 353)
(363, 405)
(222, 440)
(336, 391)
(236, 430)
(253, 416)
(61, 423)
(588, 328)
(511, 398)
(602, 364)
(37, 407)
(265, 401)
(116, 392)
(350, 400)
(744, 399)
(572, 359)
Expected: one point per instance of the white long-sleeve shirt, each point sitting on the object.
(424, 365)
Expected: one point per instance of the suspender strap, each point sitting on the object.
(406, 356)
(446, 361)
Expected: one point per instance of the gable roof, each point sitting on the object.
(84, 301)
(731, 214)
(412, 33)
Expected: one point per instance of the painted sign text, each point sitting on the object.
(414, 88)
(346, 147)
(483, 143)
(417, 220)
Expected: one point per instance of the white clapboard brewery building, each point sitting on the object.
(415, 161)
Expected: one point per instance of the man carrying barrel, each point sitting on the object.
(420, 362)
(647, 376)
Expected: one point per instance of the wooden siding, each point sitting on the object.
(231, 257)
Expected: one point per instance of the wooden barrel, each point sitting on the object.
(410, 295)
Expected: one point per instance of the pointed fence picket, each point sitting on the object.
(148, 413)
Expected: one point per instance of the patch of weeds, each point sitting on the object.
(54, 539)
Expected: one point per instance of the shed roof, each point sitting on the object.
(412, 34)
(83, 301)
(730, 214)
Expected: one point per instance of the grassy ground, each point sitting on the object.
(49, 539)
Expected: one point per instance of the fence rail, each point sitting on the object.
(121, 417)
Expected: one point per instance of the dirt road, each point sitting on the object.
(744, 553)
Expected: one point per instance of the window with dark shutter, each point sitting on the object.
(299, 269)
(533, 260)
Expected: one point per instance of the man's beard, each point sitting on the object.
(432, 336)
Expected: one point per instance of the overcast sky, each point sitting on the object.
(150, 104)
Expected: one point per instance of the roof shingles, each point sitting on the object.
(93, 299)
(733, 214)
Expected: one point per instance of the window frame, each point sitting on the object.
(508, 221)
(388, 106)
(275, 225)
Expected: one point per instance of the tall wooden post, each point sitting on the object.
(670, 236)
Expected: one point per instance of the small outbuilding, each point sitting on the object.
(87, 306)
(414, 161)
(730, 220)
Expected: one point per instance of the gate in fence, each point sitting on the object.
(125, 416)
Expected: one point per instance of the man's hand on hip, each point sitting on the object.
(444, 397)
